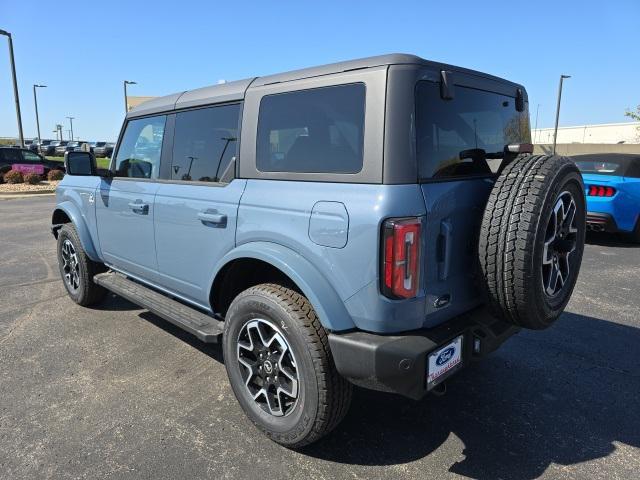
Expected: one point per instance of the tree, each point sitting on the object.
(634, 116)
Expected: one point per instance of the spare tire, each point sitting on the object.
(532, 239)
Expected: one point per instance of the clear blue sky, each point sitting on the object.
(83, 49)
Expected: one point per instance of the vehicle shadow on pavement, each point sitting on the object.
(610, 240)
(114, 303)
(212, 349)
(562, 396)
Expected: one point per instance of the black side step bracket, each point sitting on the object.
(203, 326)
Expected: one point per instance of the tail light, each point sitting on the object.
(601, 191)
(401, 257)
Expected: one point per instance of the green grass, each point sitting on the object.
(102, 162)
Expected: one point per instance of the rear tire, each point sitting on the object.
(635, 235)
(306, 397)
(77, 269)
(532, 239)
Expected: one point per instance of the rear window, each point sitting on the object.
(609, 164)
(312, 131)
(473, 119)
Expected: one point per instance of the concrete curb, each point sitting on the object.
(9, 196)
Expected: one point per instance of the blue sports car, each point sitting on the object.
(612, 184)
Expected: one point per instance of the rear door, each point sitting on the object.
(196, 206)
(456, 185)
(125, 204)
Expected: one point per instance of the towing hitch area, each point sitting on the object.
(398, 363)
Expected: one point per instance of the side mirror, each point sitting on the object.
(80, 163)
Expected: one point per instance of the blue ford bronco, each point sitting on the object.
(379, 222)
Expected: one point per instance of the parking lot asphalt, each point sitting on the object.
(117, 392)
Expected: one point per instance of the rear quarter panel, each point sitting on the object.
(280, 212)
(624, 206)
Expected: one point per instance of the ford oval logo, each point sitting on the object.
(445, 356)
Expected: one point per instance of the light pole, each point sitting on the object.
(555, 131)
(35, 101)
(71, 127)
(15, 86)
(59, 129)
(126, 104)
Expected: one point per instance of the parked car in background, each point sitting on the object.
(79, 147)
(36, 144)
(50, 149)
(10, 156)
(61, 148)
(612, 186)
(103, 149)
(75, 146)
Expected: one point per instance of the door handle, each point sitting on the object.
(213, 217)
(139, 207)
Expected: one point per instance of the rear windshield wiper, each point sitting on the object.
(507, 154)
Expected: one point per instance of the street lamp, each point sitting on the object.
(555, 131)
(35, 101)
(71, 127)
(126, 104)
(15, 85)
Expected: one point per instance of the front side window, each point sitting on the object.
(204, 143)
(30, 157)
(139, 152)
(312, 131)
(451, 135)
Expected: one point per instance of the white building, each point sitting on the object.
(628, 132)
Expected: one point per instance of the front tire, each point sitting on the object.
(77, 269)
(280, 367)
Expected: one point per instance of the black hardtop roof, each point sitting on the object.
(231, 91)
(603, 157)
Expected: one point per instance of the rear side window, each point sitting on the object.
(204, 143)
(12, 155)
(139, 152)
(312, 131)
(473, 119)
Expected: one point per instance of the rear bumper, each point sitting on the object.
(398, 363)
(601, 222)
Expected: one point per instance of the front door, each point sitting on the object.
(196, 209)
(125, 204)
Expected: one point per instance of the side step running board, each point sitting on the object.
(203, 326)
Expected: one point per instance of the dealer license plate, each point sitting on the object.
(444, 361)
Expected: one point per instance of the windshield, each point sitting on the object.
(465, 136)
